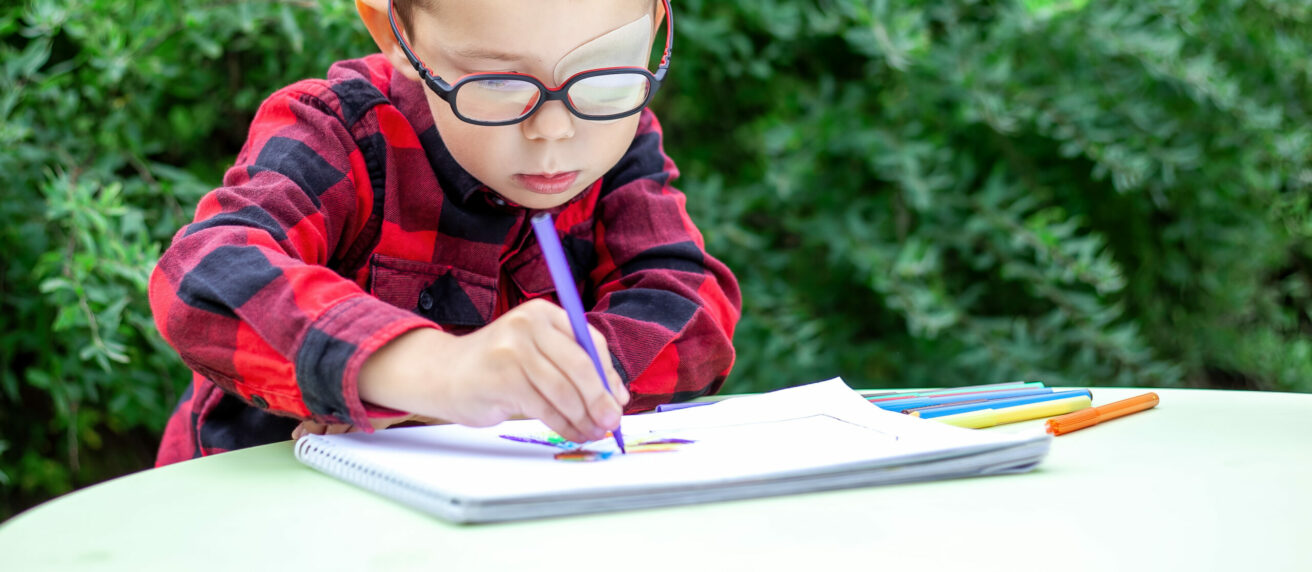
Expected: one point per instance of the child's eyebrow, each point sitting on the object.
(481, 53)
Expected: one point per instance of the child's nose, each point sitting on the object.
(551, 121)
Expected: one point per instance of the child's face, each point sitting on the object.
(552, 156)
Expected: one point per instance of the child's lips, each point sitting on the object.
(548, 183)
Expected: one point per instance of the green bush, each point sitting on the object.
(952, 192)
(116, 117)
(912, 193)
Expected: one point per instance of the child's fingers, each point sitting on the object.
(617, 388)
(308, 427)
(527, 337)
(551, 369)
(570, 357)
(555, 373)
(385, 422)
(426, 420)
(562, 427)
(555, 401)
(603, 410)
(542, 410)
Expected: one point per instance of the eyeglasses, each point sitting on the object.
(508, 98)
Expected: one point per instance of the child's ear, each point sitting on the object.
(374, 14)
(656, 20)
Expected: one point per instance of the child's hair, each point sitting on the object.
(406, 8)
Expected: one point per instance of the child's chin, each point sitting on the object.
(542, 201)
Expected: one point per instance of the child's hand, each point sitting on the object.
(307, 427)
(524, 364)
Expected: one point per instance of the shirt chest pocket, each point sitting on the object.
(458, 300)
(528, 271)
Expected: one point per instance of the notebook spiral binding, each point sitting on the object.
(320, 454)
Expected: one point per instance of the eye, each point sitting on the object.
(504, 84)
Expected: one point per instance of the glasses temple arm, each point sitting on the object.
(669, 39)
(424, 73)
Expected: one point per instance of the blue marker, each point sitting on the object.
(916, 402)
(1001, 403)
(545, 230)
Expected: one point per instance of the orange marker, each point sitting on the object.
(1095, 415)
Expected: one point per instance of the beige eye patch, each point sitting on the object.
(626, 45)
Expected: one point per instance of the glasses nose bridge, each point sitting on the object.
(559, 93)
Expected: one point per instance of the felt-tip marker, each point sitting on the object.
(953, 409)
(549, 241)
(1095, 415)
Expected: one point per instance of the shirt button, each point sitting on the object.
(425, 301)
(259, 402)
(499, 201)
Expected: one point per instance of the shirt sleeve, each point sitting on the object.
(246, 293)
(667, 308)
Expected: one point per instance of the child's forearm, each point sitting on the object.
(399, 374)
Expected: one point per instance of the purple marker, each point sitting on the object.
(545, 229)
(677, 406)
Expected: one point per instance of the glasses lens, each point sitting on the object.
(496, 99)
(609, 94)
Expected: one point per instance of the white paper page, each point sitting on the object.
(831, 397)
(793, 430)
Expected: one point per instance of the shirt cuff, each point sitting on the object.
(336, 346)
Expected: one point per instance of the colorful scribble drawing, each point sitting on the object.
(659, 445)
(548, 438)
(666, 441)
(579, 452)
(583, 455)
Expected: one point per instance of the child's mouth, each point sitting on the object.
(548, 184)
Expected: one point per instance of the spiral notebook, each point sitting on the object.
(808, 438)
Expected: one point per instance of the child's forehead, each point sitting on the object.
(526, 31)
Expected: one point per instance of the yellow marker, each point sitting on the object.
(990, 417)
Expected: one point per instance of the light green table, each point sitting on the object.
(1209, 480)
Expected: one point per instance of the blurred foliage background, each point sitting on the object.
(915, 193)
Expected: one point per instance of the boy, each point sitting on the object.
(368, 260)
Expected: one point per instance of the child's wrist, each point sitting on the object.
(397, 375)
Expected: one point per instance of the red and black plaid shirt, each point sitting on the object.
(345, 222)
